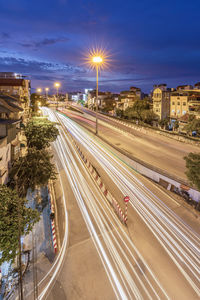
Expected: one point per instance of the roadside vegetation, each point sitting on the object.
(30, 171)
(193, 169)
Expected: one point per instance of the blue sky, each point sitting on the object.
(150, 41)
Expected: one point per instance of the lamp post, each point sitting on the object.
(97, 60)
(46, 89)
(39, 90)
(57, 85)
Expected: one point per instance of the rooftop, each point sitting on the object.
(12, 81)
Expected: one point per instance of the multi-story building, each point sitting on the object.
(17, 88)
(184, 87)
(127, 98)
(194, 102)
(178, 104)
(185, 101)
(161, 101)
(9, 136)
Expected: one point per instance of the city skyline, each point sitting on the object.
(149, 42)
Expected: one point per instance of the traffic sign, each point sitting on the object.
(126, 199)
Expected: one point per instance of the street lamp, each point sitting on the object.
(39, 90)
(97, 61)
(57, 85)
(47, 89)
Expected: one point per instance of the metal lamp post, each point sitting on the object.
(46, 89)
(57, 85)
(97, 60)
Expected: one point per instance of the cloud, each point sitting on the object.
(44, 42)
(5, 35)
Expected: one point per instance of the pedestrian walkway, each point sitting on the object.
(38, 242)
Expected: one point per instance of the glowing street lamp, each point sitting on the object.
(97, 61)
(39, 90)
(57, 85)
(97, 58)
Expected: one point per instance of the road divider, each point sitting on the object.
(52, 216)
(109, 197)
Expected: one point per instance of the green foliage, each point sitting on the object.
(34, 169)
(109, 104)
(148, 116)
(139, 106)
(194, 125)
(119, 113)
(191, 118)
(81, 102)
(164, 123)
(138, 110)
(193, 167)
(35, 100)
(15, 217)
(176, 125)
(40, 132)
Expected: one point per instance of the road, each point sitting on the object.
(155, 257)
(154, 149)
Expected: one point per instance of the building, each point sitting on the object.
(184, 101)
(16, 87)
(161, 101)
(9, 136)
(178, 104)
(126, 99)
(14, 108)
(184, 87)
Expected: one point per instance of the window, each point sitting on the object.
(173, 103)
(184, 103)
(178, 103)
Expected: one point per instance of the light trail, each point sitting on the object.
(176, 237)
(116, 249)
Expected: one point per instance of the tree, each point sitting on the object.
(15, 217)
(109, 104)
(32, 170)
(40, 132)
(193, 167)
(35, 100)
(148, 116)
(164, 123)
(137, 110)
(176, 125)
(119, 112)
(194, 125)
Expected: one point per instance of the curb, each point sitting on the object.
(53, 227)
(113, 202)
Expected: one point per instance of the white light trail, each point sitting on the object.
(126, 282)
(176, 237)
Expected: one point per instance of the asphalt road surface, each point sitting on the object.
(155, 257)
(152, 148)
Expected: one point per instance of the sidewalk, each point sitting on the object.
(39, 242)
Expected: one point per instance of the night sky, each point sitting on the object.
(150, 42)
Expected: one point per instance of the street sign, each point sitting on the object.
(126, 199)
